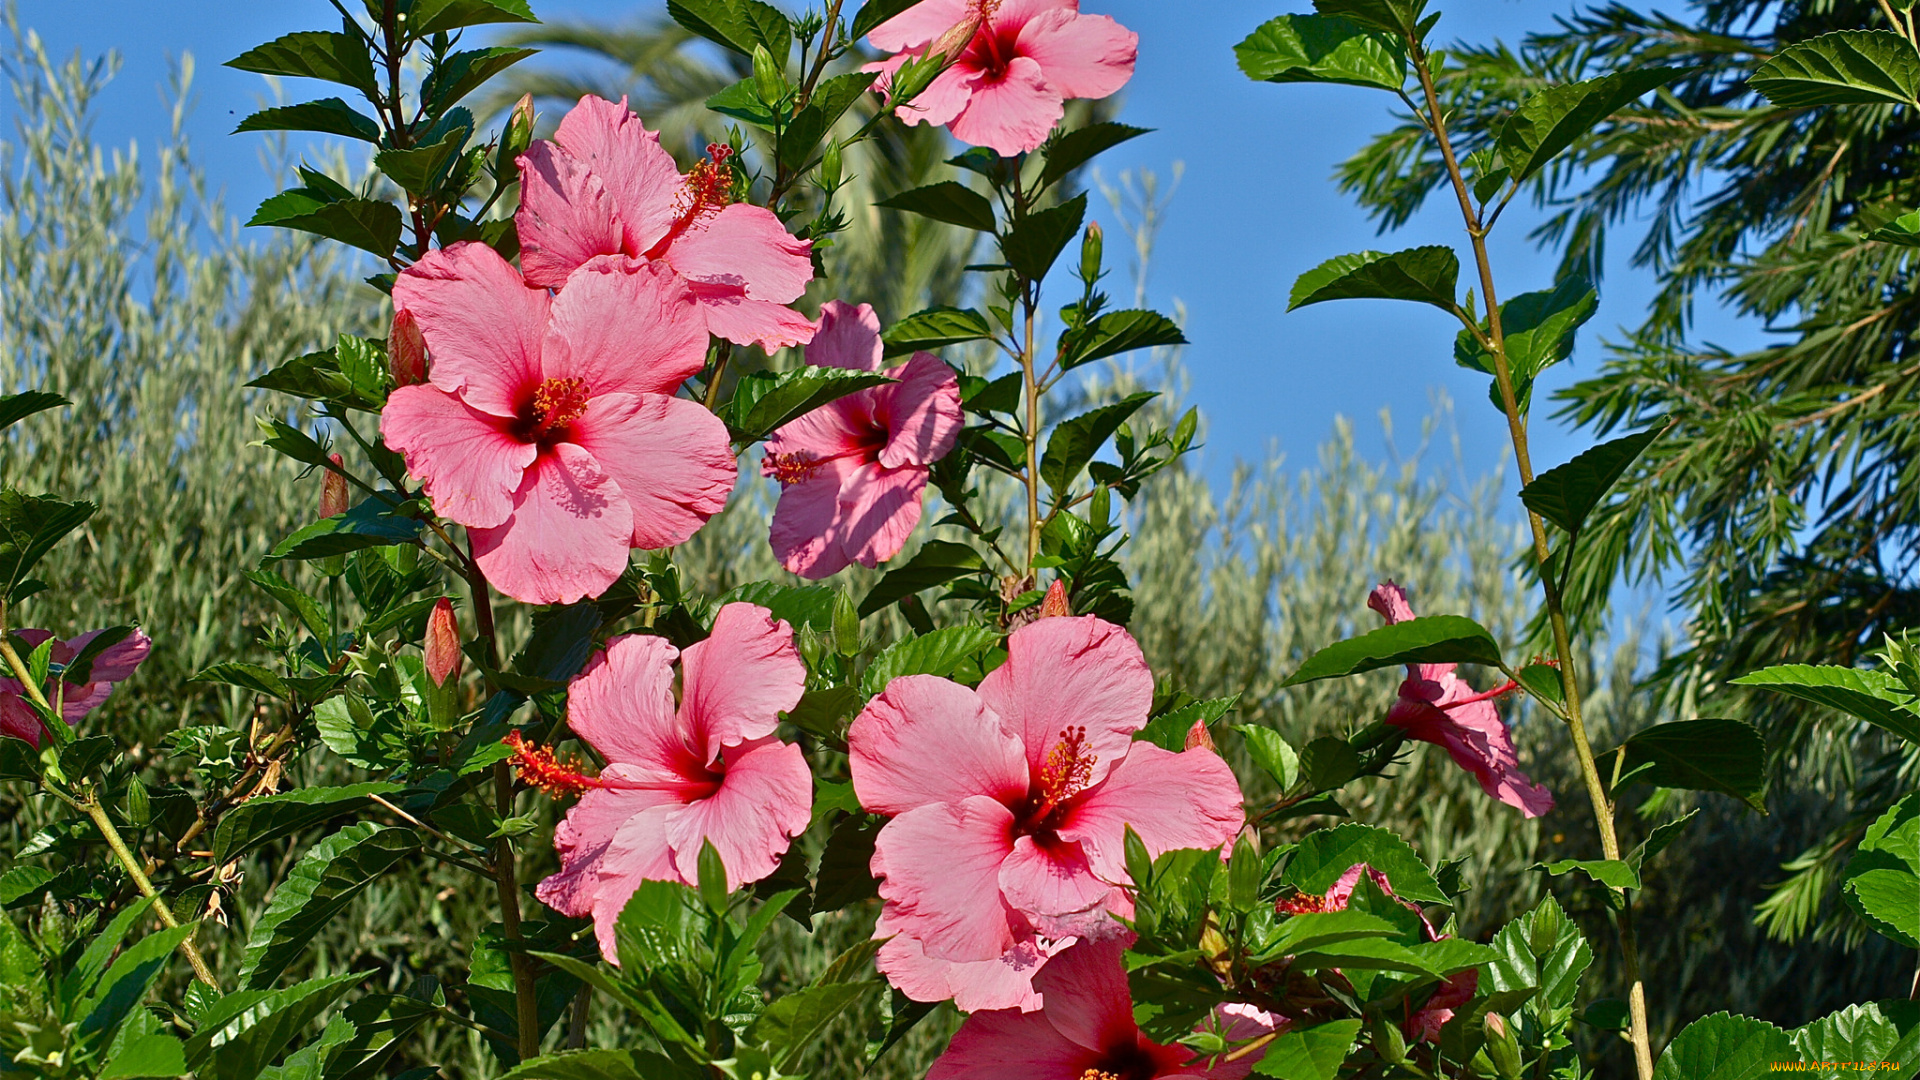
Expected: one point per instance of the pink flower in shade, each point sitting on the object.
(1436, 707)
(1086, 1031)
(1458, 989)
(1007, 84)
(113, 665)
(852, 472)
(711, 769)
(1010, 806)
(548, 425)
(605, 186)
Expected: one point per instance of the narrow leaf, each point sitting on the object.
(1566, 494)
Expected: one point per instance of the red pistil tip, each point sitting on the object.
(538, 768)
(709, 184)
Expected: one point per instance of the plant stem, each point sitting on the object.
(1603, 808)
(1030, 434)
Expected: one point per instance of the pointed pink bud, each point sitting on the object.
(443, 643)
(1054, 604)
(333, 490)
(960, 34)
(1199, 737)
(406, 350)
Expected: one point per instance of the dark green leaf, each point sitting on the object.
(1322, 856)
(1566, 494)
(314, 54)
(302, 605)
(936, 563)
(1612, 873)
(1168, 731)
(846, 875)
(29, 528)
(422, 169)
(874, 12)
(464, 72)
(597, 1065)
(437, 16)
(1035, 241)
(764, 401)
(362, 223)
(1553, 119)
(321, 885)
(81, 757)
(1428, 639)
(271, 817)
(1425, 275)
(1846, 67)
(737, 24)
(1726, 756)
(948, 201)
(1540, 329)
(1074, 442)
(1882, 879)
(831, 99)
(1903, 230)
(1658, 839)
(19, 760)
(1723, 1047)
(1313, 1053)
(17, 407)
(1873, 696)
(328, 116)
(1542, 950)
(1065, 153)
(1329, 763)
(561, 643)
(1325, 49)
(246, 1030)
(369, 524)
(1397, 17)
(1857, 1033)
(1117, 332)
(795, 1020)
(1607, 1014)
(125, 984)
(935, 327)
(939, 653)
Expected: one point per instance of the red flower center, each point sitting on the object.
(556, 403)
(1124, 1062)
(791, 468)
(1066, 772)
(994, 48)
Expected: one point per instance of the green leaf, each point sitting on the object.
(935, 327)
(947, 201)
(127, 981)
(831, 99)
(596, 1065)
(1567, 494)
(152, 1055)
(801, 605)
(1553, 119)
(1322, 856)
(303, 606)
(1117, 332)
(764, 401)
(1846, 67)
(328, 116)
(1397, 17)
(1168, 731)
(1067, 152)
(1658, 839)
(737, 24)
(422, 169)
(17, 407)
(372, 523)
(314, 54)
(1314, 1053)
(1544, 680)
(939, 653)
(875, 12)
(1425, 275)
(464, 72)
(1075, 441)
(936, 563)
(1873, 696)
(1723, 1047)
(1274, 754)
(1032, 243)
(314, 375)
(1323, 49)
(845, 875)
(1903, 230)
(81, 757)
(22, 883)
(1727, 756)
(29, 528)
(321, 885)
(1857, 1033)
(1882, 879)
(742, 102)
(362, 223)
(1540, 329)
(435, 16)
(243, 1032)
(795, 1020)
(1428, 639)
(1329, 762)
(1542, 950)
(270, 817)
(1613, 873)
(19, 760)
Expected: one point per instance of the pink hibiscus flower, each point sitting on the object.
(606, 187)
(77, 699)
(1010, 806)
(1086, 1030)
(548, 425)
(853, 471)
(1437, 707)
(1425, 1023)
(710, 770)
(1018, 62)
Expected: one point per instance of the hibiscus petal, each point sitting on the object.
(848, 336)
(1012, 114)
(806, 523)
(626, 327)
(930, 740)
(1390, 601)
(735, 684)
(922, 412)
(622, 705)
(567, 537)
(919, 24)
(1084, 56)
(117, 661)
(566, 216)
(583, 837)
(764, 800)
(639, 852)
(743, 320)
(17, 718)
(1086, 994)
(1072, 672)
(1052, 885)
(1003, 982)
(1478, 741)
(1006, 1044)
(1173, 801)
(745, 245)
(879, 508)
(469, 461)
(940, 865)
(482, 323)
(640, 177)
(844, 427)
(670, 457)
(940, 102)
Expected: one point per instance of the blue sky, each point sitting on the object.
(1255, 209)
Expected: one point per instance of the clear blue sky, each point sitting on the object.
(1256, 207)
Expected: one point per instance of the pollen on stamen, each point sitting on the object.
(790, 468)
(709, 185)
(1302, 904)
(559, 402)
(538, 768)
(1099, 1074)
(1068, 768)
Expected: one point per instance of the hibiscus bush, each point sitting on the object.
(485, 625)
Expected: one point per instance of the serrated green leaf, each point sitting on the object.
(831, 99)
(1727, 756)
(1168, 731)
(437, 16)
(153, 1055)
(1903, 230)
(1117, 332)
(422, 169)
(1882, 879)
(328, 116)
(935, 327)
(1322, 856)
(1075, 441)
(1068, 151)
(1846, 67)
(1032, 243)
(1539, 330)
(126, 982)
(304, 607)
(371, 523)
(737, 24)
(874, 12)
(321, 885)
(764, 401)
(1323, 49)
(1723, 1047)
(936, 563)
(1613, 873)
(1425, 275)
(464, 72)
(947, 201)
(1428, 639)
(1394, 16)
(1312, 1053)
(801, 605)
(244, 1031)
(1274, 754)
(939, 653)
(17, 407)
(362, 223)
(791, 1024)
(1857, 1033)
(1567, 494)
(30, 526)
(19, 760)
(596, 1065)
(1553, 119)
(1873, 696)
(314, 54)
(1541, 951)
(271, 817)
(1658, 839)
(742, 102)
(1544, 680)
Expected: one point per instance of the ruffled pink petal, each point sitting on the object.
(567, 536)
(470, 461)
(670, 457)
(1006, 1044)
(1072, 672)
(1004, 982)
(805, 532)
(764, 800)
(1083, 56)
(736, 683)
(744, 245)
(879, 508)
(626, 327)
(1012, 114)
(1052, 885)
(943, 99)
(117, 662)
(622, 706)
(640, 176)
(919, 24)
(926, 740)
(844, 427)
(582, 838)
(1086, 994)
(1477, 740)
(640, 851)
(482, 323)
(745, 320)
(1174, 801)
(566, 216)
(922, 412)
(1425, 1025)
(848, 336)
(940, 865)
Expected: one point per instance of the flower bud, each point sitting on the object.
(443, 644)
(333, 490)
(517, 136)
(406, 350)
(950, 44)
(1199, 737)
(830, 165)
(768, 82)
(1054, 604)
(1502, 1048)
(1091, 248)
(1388, 1043)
